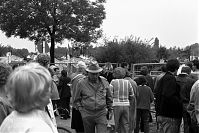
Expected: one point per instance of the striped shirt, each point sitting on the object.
(122, 92)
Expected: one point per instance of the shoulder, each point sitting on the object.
(196, 84)
(39, 126)
(24, 123)
(168, 77)
(82, 80)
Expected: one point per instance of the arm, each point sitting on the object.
(151, 96)
(191, 105)
(77, 96)
(109, 97)
(131, 92)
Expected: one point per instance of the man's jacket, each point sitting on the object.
(93, 98)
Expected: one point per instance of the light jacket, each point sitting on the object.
(92, 98)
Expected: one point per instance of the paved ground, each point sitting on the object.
(64, 123)
(67, 124)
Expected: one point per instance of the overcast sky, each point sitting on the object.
(174, 22)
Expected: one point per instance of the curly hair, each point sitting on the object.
(29, 87)
(43, 59)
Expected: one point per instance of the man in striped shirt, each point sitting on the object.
(122, 94)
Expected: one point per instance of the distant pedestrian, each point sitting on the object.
(65, 95)
(145, 72)
(185, 83)
(107, 71)
(195, 68)
(144, 100)
(158, 77)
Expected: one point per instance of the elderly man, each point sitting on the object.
(93, 99)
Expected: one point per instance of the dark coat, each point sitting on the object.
(64, 88)
(168, 100)
(185, 83)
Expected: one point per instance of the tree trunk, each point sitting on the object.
(52, 50)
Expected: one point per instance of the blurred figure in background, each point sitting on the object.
(149, 82)
(195, 68)
(29, 90)
(76, 122)
(145, 72)
(107, 71)
(157, 78)
(56, 73)
(5, 106)
(125, 65)
(185, 83)
(144, 101)
(65, 95)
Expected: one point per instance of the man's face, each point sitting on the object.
(93, 77)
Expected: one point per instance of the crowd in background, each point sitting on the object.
(99, 99)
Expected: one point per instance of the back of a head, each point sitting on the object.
(163, 68)
(43, 59)
(141, 80)
(64, 73)
(29, 87)
(196, 63)
(80, 66)
(144, 70)
(186, 70)
(172, 65)
(119, 72)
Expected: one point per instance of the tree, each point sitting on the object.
(54, 20)
(162, 53)
(3, 50)
(23, 53)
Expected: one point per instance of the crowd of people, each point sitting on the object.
(98, 99)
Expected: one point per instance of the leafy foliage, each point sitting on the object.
(53, 20)
(23, 53)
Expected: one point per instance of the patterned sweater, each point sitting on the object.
(122, 92)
